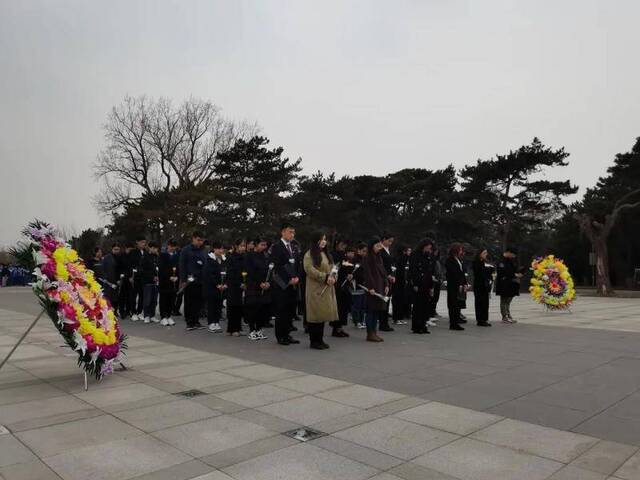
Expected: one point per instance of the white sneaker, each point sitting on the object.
(215, 328)
(362, 326)
(164, 322)
(155, 319)
(400, 322)
(147, 320)
(261, 336)
(135, 318)
(431, 323)
(253, 336)
(170, 322)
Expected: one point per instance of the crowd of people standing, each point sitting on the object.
(257, 281)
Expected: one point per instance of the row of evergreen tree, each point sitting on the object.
(226, 180)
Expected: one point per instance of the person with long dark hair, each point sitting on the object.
(376, 283)
(257, 286)
(456, 285)
(320, 294)
(482, 281)
(508, 282)
(421, 280)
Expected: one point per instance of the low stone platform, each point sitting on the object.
(184, 413)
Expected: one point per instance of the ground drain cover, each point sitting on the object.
(190, 393)
(304, 434)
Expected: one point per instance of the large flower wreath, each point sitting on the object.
(72, 298)
(551, 283)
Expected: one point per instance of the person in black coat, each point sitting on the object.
(508, 283)
(401, 295)
(168, 282)
(387, 240)
(214, 285)
(285, 256)
(191, 264)
(126, 282)
(358, 294)
(258, 285)
(111, 276)
(301, 308)
(421, 281)
(482, 282)
(95, 263)
(137, 291)
(456, 285)
(149, 278)
(439, 275)
(345, 265)
(235, 290)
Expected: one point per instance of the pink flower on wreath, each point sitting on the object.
(91, 345)
(49, 269)
(109, 351)
(49, 244)
(68, 311)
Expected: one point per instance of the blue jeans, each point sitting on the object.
(357, 308)
(150, 299)
(371, 319)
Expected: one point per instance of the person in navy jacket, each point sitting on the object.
(192, 259)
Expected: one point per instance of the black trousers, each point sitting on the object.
(420, 313)
(286, 304)
(434, 303)
(178, 304)
(258, 316)
(214, 309)
(454, 306)
(343, 299)
(167, 301)
(316, 332)
(400, 302)
(481, 300)
(384, 315)
(112, 295)
(192, 304)
(124, 302)
(137, 297)
(234, 317)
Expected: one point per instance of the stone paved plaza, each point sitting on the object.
(556, 396)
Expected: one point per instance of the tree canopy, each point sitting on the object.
(167, 170)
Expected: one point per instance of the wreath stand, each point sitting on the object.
(24, 335)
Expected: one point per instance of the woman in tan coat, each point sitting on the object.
(320, 294)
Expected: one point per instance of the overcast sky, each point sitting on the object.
(350, 86)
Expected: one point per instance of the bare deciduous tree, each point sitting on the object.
(153, 146)
(598, 234)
